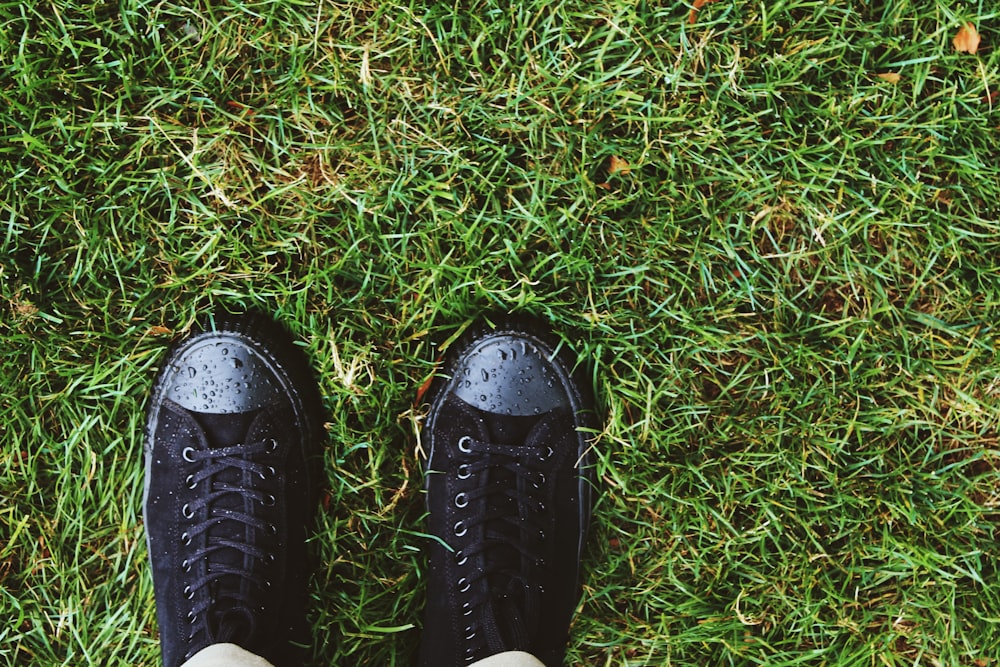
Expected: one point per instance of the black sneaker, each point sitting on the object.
(508, 491)
(232, 428)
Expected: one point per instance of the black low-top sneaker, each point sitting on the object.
(233, 428)
(508, 485)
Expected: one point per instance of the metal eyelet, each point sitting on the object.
(460, 529)
(272, 446)
(466, 609)
(190, 482)
(270, 473)
(185, 538)
(461, 500)
(186, 565)
(188, 593)
(188, 454)
(469, 633)
(191, 617)
(461, 558)
(274, 529)
(464, 585)
(463, 444)
(541, 535)
(541, 506)
(541, 478)
(268, 501)
(548, 453)
(464, 471)
(187, 511)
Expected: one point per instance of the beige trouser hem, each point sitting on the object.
(226, 655)
(509, 659)
(231, 655)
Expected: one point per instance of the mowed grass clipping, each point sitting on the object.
(779, 261)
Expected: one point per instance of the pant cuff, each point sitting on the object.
(509, 659)
(226, 655)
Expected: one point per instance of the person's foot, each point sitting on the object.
(508, 491)
(232, 427)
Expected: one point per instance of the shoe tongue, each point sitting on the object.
(507, 430)
(514, 602)
(230, 618)
(222, 430)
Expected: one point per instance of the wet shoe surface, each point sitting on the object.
(233, 427)
(509, 495)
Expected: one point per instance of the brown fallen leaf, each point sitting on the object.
(695, 6)
(891, 77)
(619, 166)
(422, 390)
(967, 39)
(158, 330)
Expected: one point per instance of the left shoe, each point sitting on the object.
(509, 482)
(233, 427)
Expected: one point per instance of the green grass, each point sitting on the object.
(789, 300)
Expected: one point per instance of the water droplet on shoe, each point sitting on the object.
(225, 351)
(237, 363)
(192, 371)
(486, 376)
(468, 384)
(482, 397)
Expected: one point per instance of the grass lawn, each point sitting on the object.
(772, 232)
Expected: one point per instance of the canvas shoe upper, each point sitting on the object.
(509, 496)
(233, 424)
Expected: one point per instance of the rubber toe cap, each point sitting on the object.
(510, 374)
(220, 373)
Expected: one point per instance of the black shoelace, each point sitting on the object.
(231, 588)
(513, 547)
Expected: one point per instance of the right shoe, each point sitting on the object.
(234, 425)
(508, 481)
